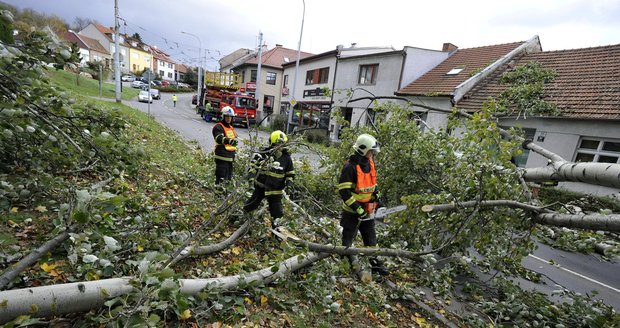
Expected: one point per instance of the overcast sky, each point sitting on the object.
(224, 26)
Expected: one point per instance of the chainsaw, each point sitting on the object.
(382, 212)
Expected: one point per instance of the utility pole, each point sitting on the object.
(117, 64)
(293, 100)
(260, 56)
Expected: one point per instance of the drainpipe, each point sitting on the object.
(331, 98)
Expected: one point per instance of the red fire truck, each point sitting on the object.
(222, 89)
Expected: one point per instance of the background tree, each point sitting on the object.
(136, 36)
(79, 23)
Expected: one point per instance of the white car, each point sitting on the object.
(144, 96)
(137, 84)
(128, 78)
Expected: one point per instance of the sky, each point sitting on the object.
(223, 26)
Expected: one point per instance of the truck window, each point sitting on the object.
(245, 103)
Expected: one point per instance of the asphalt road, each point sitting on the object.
(573, 271)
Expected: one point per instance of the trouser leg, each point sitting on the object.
(254, 201)
(275, 209)
(223, 171)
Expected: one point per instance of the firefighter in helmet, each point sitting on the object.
(357, 187)
(225, 145)
(272, 170)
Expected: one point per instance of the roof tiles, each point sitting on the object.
(471, 60)
(587, 84)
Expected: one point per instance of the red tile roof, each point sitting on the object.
(103, 29)
(472, 60)
(275, 57)
(587, 84)
(93, 44)
(73, 38)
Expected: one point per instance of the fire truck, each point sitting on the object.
(221, 90)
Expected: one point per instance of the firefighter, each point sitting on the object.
(357, 187)
(225, 145)
(271, 169)
(174, 100)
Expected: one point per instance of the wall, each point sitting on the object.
(418, 62)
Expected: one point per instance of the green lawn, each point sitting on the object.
(87, 87)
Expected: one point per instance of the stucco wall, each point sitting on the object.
(418, 62)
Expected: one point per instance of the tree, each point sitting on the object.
(136, 36)
(489, 211)
(79, 23)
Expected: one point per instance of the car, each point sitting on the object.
(128, 78)
(165, 83)
(144, 96)
(137, 84)
(157, 83)
(155, 94)
(183, 85)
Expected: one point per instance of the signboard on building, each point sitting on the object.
(250, 85)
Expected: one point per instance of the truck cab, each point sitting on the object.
(243, 105)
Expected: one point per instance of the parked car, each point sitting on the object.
(165, 83)
(128, 78)
(137, 84)
(157, 83)
(183, 85)
(155, 94)
(144, 96)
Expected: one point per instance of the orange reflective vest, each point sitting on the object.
(365, 186)
(229, 132)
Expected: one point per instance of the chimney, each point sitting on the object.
(339, 47)
(353, 45)
(278, 45)
(449, 47)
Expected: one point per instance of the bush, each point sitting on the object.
(173, 89)
(278, 122)
(317, 136)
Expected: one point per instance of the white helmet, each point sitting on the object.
(228, 111)
(364, 143)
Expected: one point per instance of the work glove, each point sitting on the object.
(289, 184)
(362, 215)
(230, 141)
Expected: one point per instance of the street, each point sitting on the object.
(573, 271)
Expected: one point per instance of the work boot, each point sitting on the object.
(377, 267)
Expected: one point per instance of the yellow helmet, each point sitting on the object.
(364, 143)
(277, 137)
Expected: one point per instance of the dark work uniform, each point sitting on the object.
(224, 151)
(271, 170)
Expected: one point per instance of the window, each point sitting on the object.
(253, 76)
(271, 78)
(136, 56)
(285, 83)
(169, 74)
(161, 73)
(169, 65)
(317, 76)
(161, 63)
(599, 151)
(268, 104)
(368, 74)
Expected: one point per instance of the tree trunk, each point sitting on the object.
(601, 174)
(31, 258)
(83, 296)
(581, 221)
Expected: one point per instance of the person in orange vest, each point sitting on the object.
(225, 145)
(357, 187)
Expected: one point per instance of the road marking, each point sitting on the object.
(576, 274)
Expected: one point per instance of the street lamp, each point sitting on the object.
(290, 112)
(199, 65)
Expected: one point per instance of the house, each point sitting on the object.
(444, 85)
(163, 65)
(140, 55)
(180, 71)
(90, 49)
(586, 91)
(105, 36)
(339, 70)
(271, 77)
(229, 62)
(378, 74)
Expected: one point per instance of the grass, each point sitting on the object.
(88, 87)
